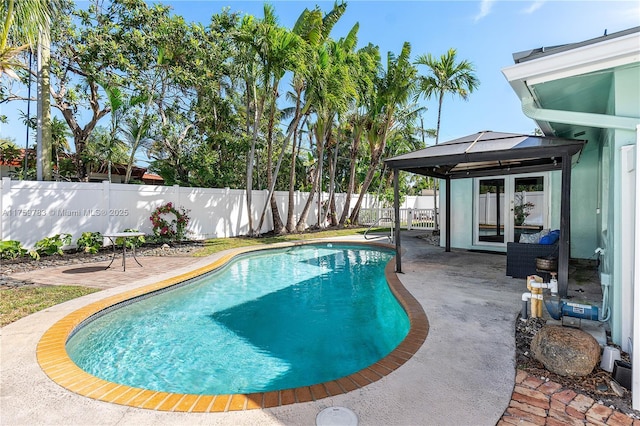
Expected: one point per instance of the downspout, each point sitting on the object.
(607, 122)
(635, 355)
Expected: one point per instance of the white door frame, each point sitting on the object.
(507, 204)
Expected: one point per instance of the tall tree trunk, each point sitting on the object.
(375, 160)
(285, 143)
(320, 137)
(80, 142)
(81, 135)
(44, 107)
(302, 220)
(251, 95)
(333, 165)
(278, 226)
(291, 227)
(352, 177)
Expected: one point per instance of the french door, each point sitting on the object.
(507, 207)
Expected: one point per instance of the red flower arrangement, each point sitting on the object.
(169, 230)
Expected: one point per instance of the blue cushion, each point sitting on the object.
(550, 238)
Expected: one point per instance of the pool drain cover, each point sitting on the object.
(336, 416)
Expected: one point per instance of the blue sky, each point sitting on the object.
(486, 33)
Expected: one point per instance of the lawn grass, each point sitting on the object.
(16, 303)
(219, 244)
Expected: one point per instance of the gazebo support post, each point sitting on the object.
(447, 231)
(565, 229)
(396, 212)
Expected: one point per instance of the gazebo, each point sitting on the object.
(486, 154)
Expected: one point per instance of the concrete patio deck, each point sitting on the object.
(464, 373)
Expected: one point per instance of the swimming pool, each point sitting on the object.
(273, 320)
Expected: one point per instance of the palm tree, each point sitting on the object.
(21, 23)
(136, 133)
(367, 63)
(314, 28)
(330, 91)
(445, 76)
(393, 90)
(274, 50)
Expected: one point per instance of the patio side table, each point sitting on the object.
(124, 235)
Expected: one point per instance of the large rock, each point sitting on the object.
(566, 351)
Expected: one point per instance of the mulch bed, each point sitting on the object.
(596, 385)
(26, 264)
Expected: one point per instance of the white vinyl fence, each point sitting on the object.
(416, 212)
(409, 218)
(32, 210)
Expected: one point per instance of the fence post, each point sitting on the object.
(176, 196)
(409, 219)
(227, 217)
(106, 205)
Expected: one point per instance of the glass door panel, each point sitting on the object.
(528, 206)
(491, 201)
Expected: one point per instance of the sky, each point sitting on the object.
(486, 33)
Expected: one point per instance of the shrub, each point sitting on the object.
(90, 242)
(11, 249)
(173, 230)
(53, 245)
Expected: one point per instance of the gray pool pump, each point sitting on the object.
(556, 306)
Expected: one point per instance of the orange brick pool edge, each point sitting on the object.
(55, 362)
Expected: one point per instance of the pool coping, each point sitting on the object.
(54, 361)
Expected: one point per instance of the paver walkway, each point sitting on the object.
(539, 402)
(94, 274)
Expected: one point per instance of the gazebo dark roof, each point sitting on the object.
(492, 154)
(488, 154)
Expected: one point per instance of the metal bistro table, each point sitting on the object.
(124, 235)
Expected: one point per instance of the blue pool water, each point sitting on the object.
(271, 320)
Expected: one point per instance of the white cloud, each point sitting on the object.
(485, 9)
(534, 6)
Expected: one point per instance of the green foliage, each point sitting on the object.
(102, 148)
(49, 246)
(90, 242)
(445, 75)
(8, 150)
(11, 249)
(131, 242)
(208, 101)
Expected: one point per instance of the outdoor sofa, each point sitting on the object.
(521, 257)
